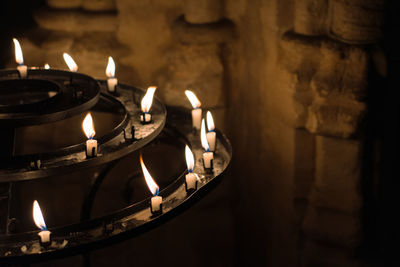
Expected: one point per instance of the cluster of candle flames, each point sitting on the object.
(146, 103)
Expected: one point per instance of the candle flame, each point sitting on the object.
(203, 136)
(147, 100)
(151, 184)
(193, 99)
(189, 158)
(210, 122)
(70, 62)
(88, 126)
(38, 216)
(47, 66)
(110, 70)
(19, 58)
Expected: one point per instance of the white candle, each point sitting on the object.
(156, 200)
(190, 178)
(19, 58)
(91, 148)
(211, 135)
(208, 156)
(156, 203)
(145, 118)
(146, 103)
(111, 84)
(23, 71)
(196, 112)
(196, 118)
(191, 181)
(44, 235)
(110, 72)
(88, 129)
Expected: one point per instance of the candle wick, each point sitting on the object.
(43, 228)
(190, 170)
(156, 193)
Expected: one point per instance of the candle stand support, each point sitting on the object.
(47, 96)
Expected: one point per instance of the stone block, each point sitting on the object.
(357, 21)
(198, 68)
(333, 227)
(64, 4)
(75, 21)
(337, 174)
(343, 70)
(203, 11)
(57, 41)
(334, 119)
(187, 33)
(99, 5)
(300, 54)
(310, 16)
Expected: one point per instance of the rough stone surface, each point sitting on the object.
(99, 5)
(310, 16)
(198, 68)
(75, 21)
(328, 80)
(64, 4)
(357, 21)
(203, 11)
(337, 174)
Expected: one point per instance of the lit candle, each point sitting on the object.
(88, 128)
(19, 58)
(156, 200)
(110, 72)
(70, 62)
(44, 234)
(191, 178)
(146, 103)
(196, 112)
(208, 156)
(211, 135)
(47, 66)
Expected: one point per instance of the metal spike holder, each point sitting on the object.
(121, 224)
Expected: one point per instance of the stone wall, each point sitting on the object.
(286, 79)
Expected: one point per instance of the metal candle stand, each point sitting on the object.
(130, 135)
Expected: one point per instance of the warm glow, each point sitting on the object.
(46, 66)
(210, 122)
(189, 158)
(70, 62)
(149, 180)
(38, 216)
(88, 126)
(147, 100)
(110, 70)
(19, 58)
(193, 99)
(203, 137)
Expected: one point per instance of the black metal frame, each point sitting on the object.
(90, 233)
